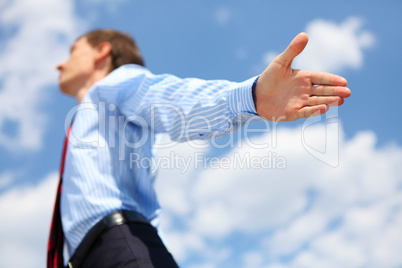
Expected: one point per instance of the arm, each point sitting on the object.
(184, 108)
(293, 94)
(194, 108)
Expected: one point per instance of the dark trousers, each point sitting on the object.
(134, 245)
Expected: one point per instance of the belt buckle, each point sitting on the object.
(115, 219)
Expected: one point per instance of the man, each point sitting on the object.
(108, 208)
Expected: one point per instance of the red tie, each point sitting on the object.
(56, 238)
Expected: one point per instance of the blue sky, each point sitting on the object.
(338, 208)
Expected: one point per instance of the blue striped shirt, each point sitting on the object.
(117, 119)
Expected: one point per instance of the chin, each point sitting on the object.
(65, 89)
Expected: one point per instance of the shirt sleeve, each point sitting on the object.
(186, 109)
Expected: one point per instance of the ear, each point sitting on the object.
(103, 51)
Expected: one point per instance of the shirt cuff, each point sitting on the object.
(241, 98)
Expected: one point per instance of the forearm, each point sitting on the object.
(184, 108)
(187, 108)
(196, 109)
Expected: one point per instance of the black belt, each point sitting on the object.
(111, 220)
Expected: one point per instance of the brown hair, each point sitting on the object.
(124, 48)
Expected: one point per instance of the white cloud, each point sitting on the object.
(333, 47)
(346, 216)
(37, 42)
(370, 236)
(206, 208)
(5, 179)
(269, 57)
(26, 214)
(222, 16)
(253, 259)
(241, 54)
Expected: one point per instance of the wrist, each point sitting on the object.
(253, 89)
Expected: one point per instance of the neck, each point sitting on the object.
(80, 94)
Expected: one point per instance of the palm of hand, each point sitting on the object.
(286, 94)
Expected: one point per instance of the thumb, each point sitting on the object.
(295, 48)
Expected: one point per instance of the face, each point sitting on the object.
(76, 72)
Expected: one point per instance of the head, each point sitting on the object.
(93, 56)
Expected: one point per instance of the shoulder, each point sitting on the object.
(120, 82)
(128, 72)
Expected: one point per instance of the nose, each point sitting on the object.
(60, 66)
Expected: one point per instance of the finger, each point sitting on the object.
(295, 48)
(343, 92)
(320, 78)
(308, 111)
(329, 101)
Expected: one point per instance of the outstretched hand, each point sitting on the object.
(286, 94)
